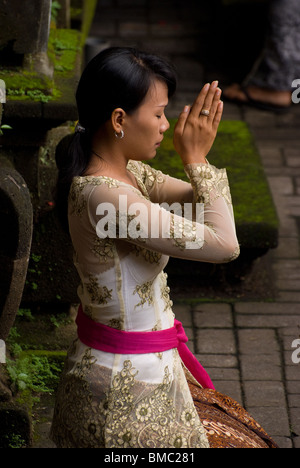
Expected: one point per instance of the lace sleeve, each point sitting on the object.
(209, 183)
(160, 187)
(123, 212)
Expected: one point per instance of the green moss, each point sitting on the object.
(234, 149)
(63, 48)
(26, 85)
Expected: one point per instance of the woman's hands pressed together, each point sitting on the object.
(195, 132)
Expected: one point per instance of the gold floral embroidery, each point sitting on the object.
(104, 249)
(99, 294)
(209, 183)
(211, 226)
(143, 412)
(184, 232)
(149, 255)
(152, 420)
(156, 327)
(88, 311)
(75, 409)
(77, 200)
(84, 367)
(111, 183)
(188, 415)
(135, 169)
(165, 292)
(115, 323)
(151, 176)
(234, 255)
(129, 414)
(145, 291)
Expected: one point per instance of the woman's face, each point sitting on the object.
(145, 128)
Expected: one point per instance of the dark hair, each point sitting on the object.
(116, 77)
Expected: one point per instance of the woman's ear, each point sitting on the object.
(117, 119)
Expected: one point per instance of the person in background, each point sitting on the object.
(269, 84)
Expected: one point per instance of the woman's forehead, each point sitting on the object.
(157, 94)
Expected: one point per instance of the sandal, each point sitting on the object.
(255, 103)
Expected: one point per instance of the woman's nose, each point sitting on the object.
(165, 125)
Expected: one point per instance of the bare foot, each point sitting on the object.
(261, 95)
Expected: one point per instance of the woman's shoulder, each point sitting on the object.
(145, 173)
(81, 182)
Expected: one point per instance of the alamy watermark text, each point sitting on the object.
(2, 352)
(2, 92)
(138, 221)
(296, 353)
(296, 93)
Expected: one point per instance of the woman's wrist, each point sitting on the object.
(195, 160)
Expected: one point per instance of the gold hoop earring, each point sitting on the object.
(119, 136)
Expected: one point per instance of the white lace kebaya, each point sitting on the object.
(137, 400)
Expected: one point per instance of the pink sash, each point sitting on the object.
(110, 340)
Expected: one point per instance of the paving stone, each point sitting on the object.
(212, 341)
(212, 316)
(218, 373)
(290, 355)
(283, 442)
(265, 308)
(293, 387)
(191, 345)
(270, 156)
(288, 247)
(260, 119)
(267, 321)
(183, 314)
(282, 171)
(296, 442)
(288, 297)
(287, 268)
(230, 388)
(261, 367)
(295, 421)
(189, 331)
(218, 360)
(293, 161)
(292, 372)
(281, 185)
(273, 419)
(287, 284)
(258, 342)
(264, 393)
(294, 401)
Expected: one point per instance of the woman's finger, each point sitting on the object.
(180, 124)
(218, 116)
(214, 105)
(209, 99)
(199, 102)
